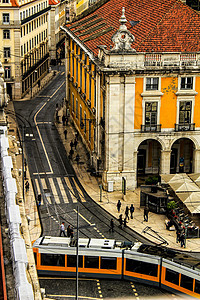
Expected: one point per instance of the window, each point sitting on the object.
(92, 262)
(185, 110)
(71, 261)
(7, 72)
(5, 1)
(22, 51)
(172, 276)
(6, 34)
(6, 18)
(151, 113)
(6, 52)
(108, 263)
(85, 119)
(186, 83)
(77, 70)
(53, 260)
(197, 286)
(81, 117)
(186, 282)
(20, 15)
(152, 83)
(141, 267)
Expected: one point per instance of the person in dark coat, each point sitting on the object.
(120, 221)
(182, 239)
(132, 209)
(65, 133)
(68, 231)
(119, 205)
(146, 214)
(71, 144)
(27, 186)
(63, 120)
(111, 225)
(75, 143)
(127, 212)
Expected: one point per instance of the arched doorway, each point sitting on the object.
(148, 159)
(182, 152)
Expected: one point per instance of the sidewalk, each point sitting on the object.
(109, 199)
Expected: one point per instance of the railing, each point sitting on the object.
(151, 128)
(185, 127)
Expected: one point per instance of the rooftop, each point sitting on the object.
(157, 25)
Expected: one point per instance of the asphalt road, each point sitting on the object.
(61, 193)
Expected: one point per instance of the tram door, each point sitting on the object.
(173, 163)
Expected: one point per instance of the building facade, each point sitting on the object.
(29, 29)
(133, 88)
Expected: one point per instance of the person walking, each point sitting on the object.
(71, 152)
(63, 120)
(75, 143)
(119, 205)
(72, 233)
(120, 221)
(27, 186)
(62, 229)
(68, 230)
(127, 212)
(132, 209)
(77, 158)
(182, 239)
(71, 144)
(111, 225)
(125, 222)
(146, 214)
(65, 133)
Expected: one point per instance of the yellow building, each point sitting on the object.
(28, 29)
(133, 88)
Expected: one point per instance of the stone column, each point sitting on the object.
(196, 161)
(165, 161)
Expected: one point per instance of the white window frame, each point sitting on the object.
(184, 98)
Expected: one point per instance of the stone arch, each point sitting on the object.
(182, 155)
(148, 158)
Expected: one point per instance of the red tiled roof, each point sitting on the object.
(165, 25)
(53, 2)
(14, 3)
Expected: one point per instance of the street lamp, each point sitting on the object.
(32, 80)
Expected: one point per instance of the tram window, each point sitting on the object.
(71, 261)
(109, 263)
(187, 282)
(53, 260)
(141, 267)
(197, 286)
(172, 276)
(92, 262)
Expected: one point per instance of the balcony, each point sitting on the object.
(11, 23)
(185, 127)
(151, 128)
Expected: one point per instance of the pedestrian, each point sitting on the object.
(62, 229)
(27, 186)
(77, 158)
(132, 209)
(125, 222)
(71, 152)
(146, 214)
(111, 225)
(77, 134)
(65, 133)
(68, 231)
(71, 144)
(63, 120)
(72, 233)
(39, 199)
(120, 221)
(182, 239)
(127, 212)
(57, 118)
(66, 120)
(178, 233)
(119, 205)
(75, 143)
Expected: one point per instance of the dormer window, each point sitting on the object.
(186, 83)
(152, 83)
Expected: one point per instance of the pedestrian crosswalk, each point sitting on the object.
(58, 190)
